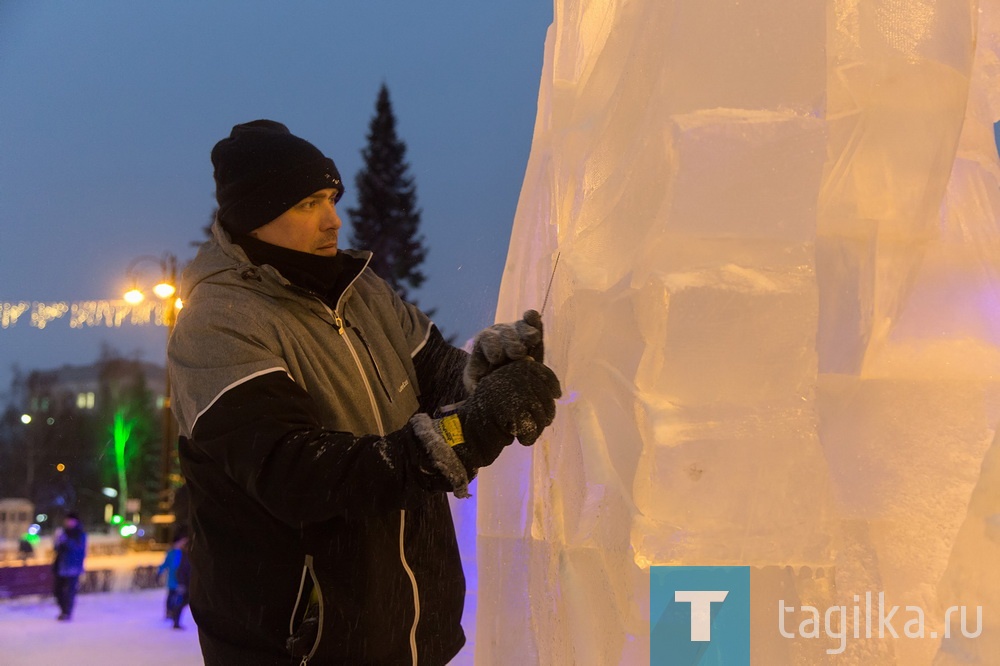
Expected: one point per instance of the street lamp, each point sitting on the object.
(29, 471)
(164, 289)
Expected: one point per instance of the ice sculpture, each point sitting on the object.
(777, 318)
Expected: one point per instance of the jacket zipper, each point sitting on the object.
(402, 512)
(378, 371)
(357, 362)
(413, 582)
(307, 569)
(335, 313)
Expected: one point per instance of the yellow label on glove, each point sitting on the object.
(451, 430)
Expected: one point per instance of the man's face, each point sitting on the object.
(310, 226)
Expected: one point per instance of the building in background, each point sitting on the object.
(81, 437)
(16, 515)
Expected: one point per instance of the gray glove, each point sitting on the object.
(500, 344)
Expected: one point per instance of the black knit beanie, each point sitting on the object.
(262, 170)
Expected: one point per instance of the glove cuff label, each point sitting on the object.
(451, 430)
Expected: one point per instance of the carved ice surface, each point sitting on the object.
(776, 315)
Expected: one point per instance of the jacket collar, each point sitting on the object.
(222, 259)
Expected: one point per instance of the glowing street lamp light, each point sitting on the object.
(164, 290)
(133, 297)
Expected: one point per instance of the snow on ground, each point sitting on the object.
(112, 629)
(126, 628)
(119, 628)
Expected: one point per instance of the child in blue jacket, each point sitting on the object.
(178, 568)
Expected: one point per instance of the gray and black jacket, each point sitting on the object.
(321, 526)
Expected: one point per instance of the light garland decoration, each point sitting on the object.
(110, 314)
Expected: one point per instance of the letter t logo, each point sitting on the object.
(701, 610)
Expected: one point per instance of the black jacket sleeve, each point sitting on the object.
(266, 436)
(439, 368)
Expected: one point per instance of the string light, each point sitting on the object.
(46, 312)
(80, 314)
(11, 312)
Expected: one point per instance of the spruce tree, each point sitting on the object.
(386, 220)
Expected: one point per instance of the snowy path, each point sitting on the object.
(113, 629)
(126, 628)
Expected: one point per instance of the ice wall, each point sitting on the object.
(776, 315)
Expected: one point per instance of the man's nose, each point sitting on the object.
(331, 220)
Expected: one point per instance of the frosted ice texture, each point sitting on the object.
(776, 317)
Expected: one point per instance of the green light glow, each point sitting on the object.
(116, 520)
(121, 431)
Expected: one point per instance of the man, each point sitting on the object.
(70, 548)
(318, 459)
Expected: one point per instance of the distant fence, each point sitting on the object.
(37, 580)
(146, 577)
(25, 581)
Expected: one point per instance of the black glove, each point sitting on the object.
(515, 400)
(502, 343)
